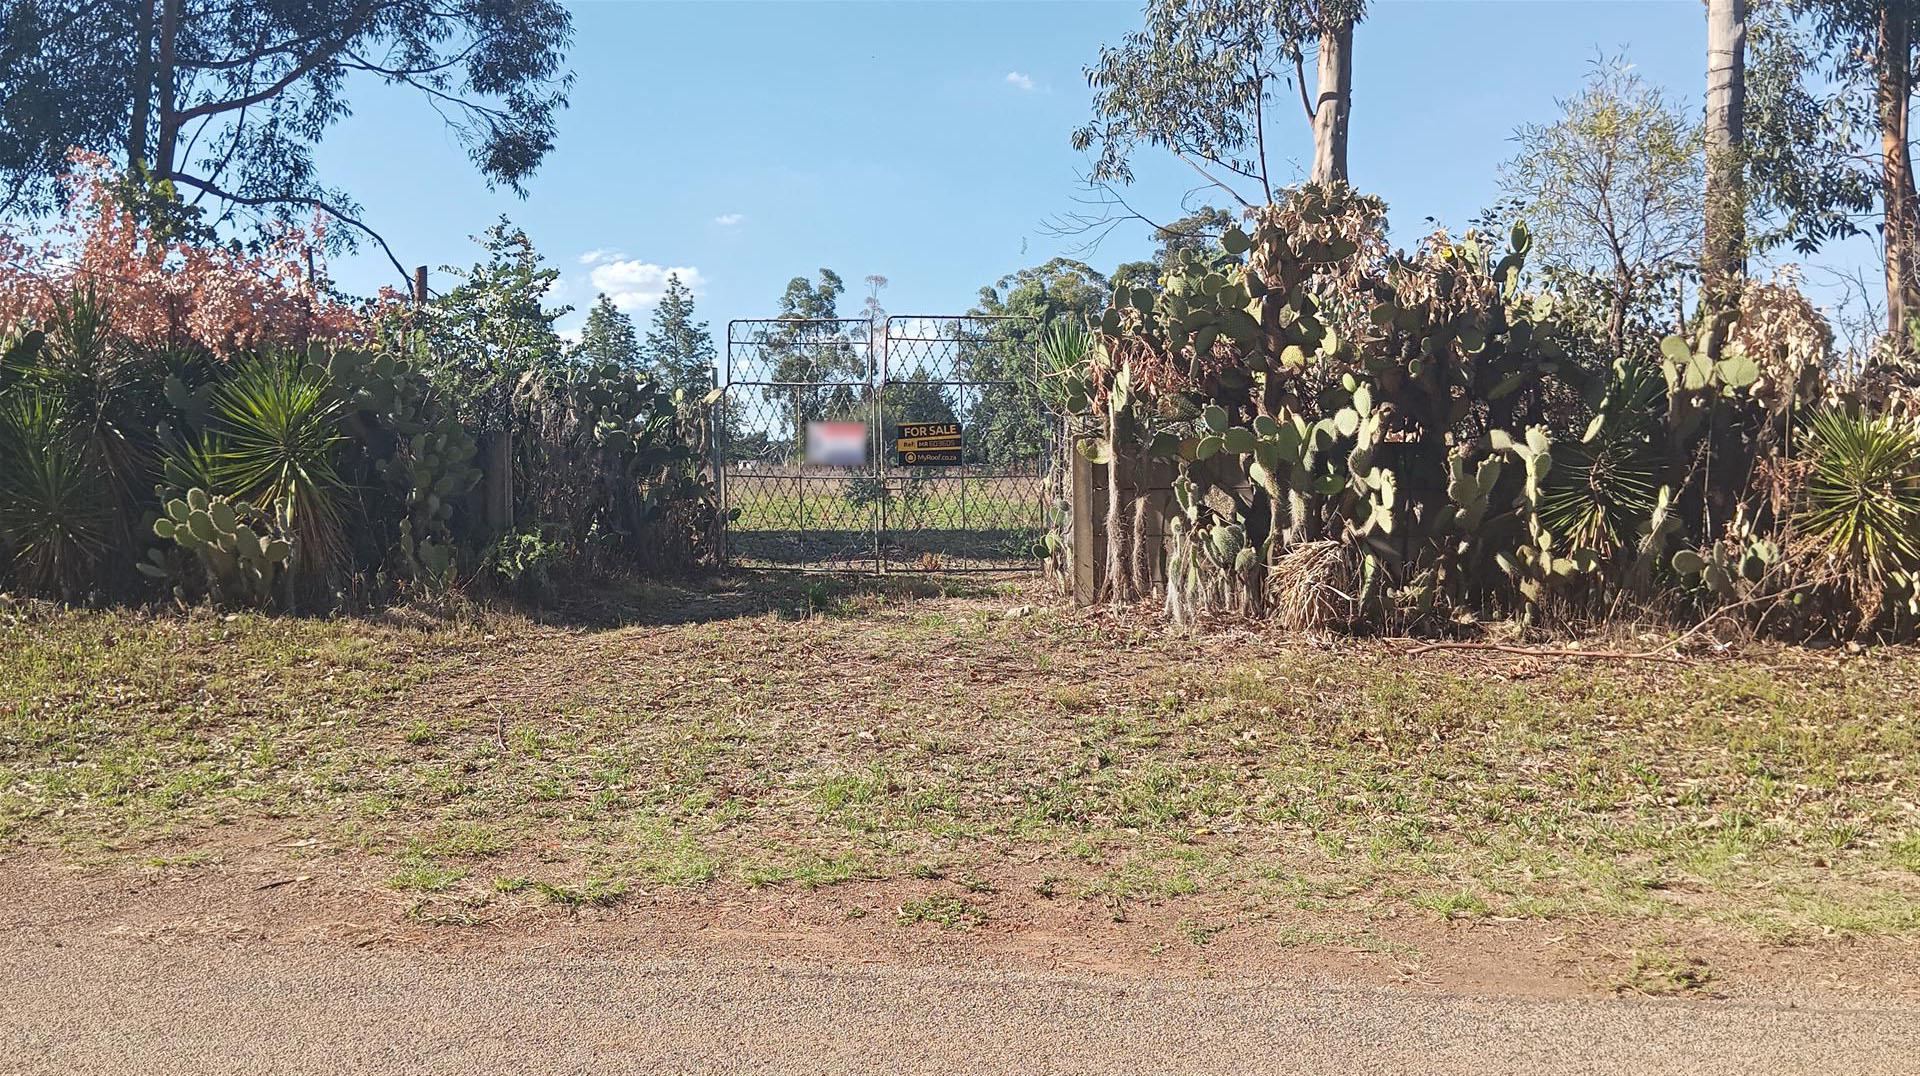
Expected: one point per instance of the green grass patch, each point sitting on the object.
(717, 735)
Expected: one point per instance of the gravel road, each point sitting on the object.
(194, 1007)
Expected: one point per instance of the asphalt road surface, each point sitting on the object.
(159, 1009)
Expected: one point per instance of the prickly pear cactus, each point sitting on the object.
(1726, 570)
(433, 464)
(241, 565)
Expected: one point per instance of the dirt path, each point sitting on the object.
(208, 1007)
(251, 969)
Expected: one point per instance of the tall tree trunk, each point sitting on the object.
(137, 124)
(1723, 261)
(1902, 230)
(164, 77)
(1622, 302)
(1333, 105)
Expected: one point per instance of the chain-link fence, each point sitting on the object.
(953, 449)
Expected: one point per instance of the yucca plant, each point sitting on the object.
(188, 462)
(273, 441)
(1861, 501)
(56, 516)
(1600, 493)
(1062, 381)
(105, 387)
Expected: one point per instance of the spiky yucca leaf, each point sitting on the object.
(56, 517)
(1601, 492)
(188, 462)
(1063, 366)
(104, 386)
(1862, 496)
(276, 421)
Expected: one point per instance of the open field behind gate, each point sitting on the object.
(799, 517)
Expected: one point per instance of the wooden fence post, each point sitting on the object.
(1153, 483)
(420, 285)
(497, 482)
(1089, 497)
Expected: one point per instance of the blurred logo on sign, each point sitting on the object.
(837, 444)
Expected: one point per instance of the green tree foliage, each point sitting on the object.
(1059, 287)
(1009, 423)
(822, 365)
(1869, 48)
(679, 349)
(1196, 81)
(1197, 232)
(1805, 183)
(227, 102)
(609, 337)
(915, 396)
(486, 334)
(1612, 192)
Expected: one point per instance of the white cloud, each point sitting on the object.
(1020, 81)
(595, 257)
(728, 220)
(631, 283)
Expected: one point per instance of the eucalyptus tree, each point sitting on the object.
(1871, 45)
(1805, 179)
(818, 368)
(1197, 79)
(1723, 257)
(216, 108)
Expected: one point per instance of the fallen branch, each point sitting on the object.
(1662, 653)
(1541, 652)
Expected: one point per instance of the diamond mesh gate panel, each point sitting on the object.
(784, 512)
(982, 514)
(987, 512)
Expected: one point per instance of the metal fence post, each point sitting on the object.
(717, 459)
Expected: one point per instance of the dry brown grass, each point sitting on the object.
(803, 733)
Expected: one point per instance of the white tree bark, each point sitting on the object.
(1723, 261)
(1333, 105)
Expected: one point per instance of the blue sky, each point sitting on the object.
(746, 143)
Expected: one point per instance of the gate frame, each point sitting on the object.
(877, 370)
(725, 389)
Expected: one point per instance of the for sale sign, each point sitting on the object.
(928, 444)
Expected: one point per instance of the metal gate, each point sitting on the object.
(980, 507)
